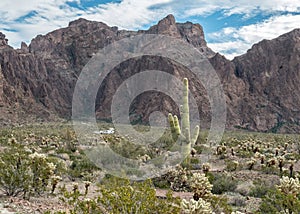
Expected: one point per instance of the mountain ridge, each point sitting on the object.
(38, 80)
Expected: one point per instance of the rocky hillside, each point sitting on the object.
(37, 81)
(270, 71)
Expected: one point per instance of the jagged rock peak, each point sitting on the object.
(168, 20)
(85, 22)
(3, 40)
(79, 22)
(166, 26)
(24, 46)
(295, 34)
(192, 33)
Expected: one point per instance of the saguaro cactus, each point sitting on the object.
(182, 133)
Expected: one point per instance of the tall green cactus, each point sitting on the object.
(182, 134)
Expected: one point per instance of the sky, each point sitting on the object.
(231, 27)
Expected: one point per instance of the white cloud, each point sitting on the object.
(50, 15)
(236, 41)
(129, 14)
(203, 7)
(134, 14)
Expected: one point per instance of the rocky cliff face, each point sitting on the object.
(39, 79)
(270, 71)
(22, 80)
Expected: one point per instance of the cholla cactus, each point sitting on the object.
(289, 186)
(280, 162)
(182, 134)
(178, 177)
(291, 169)
(200, 186)
(235, 165)
(262, 159)
(192, 207)
(12, 141)
(271, 162)
(221, 150)
(206, 167)
(54, 181)
(75, 187)
(251, 163)
(86, 186)
(144, 158)
(37, 156)
(232, 152)
(256, 149)
(193, 152)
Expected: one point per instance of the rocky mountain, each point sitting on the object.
(37, 81)
(270, 71)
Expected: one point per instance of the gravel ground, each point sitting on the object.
(4, 209)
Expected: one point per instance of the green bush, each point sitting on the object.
(120, 196)
(81, 166)
(232, 165)
(260, 190)
(223, 184)
(15, 178)
(278, 202)
(24, 173)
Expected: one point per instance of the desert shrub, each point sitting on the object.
(161, 183)
(77, 202)
(195, 161)
(271, 170)
(81, 166)
(245, 153)
(14, 174)
(127, 149)
(259, 190)
(238, 201)
(121, 196)
(244, 188)
(219, 204)
(277, 202)
(41, 170)
(24, 173)
(199, 148)
(232, 165)
(223, 183)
